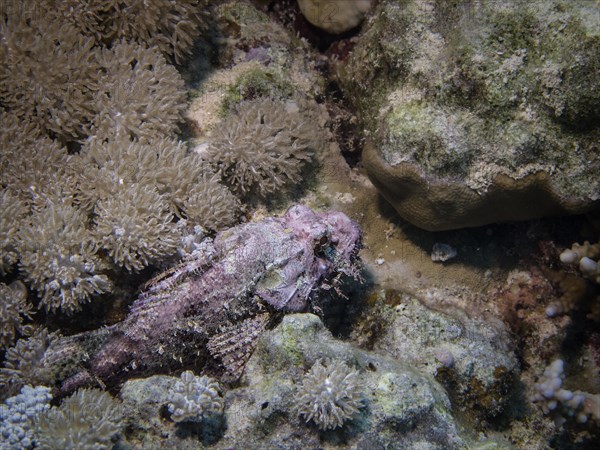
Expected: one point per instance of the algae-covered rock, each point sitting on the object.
(480, 112)
(258, 58)
(401, 407)
(473, 359)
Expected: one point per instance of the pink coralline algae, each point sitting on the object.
(207, 312)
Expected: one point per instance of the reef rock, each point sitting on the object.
(479, 112)
(401, 407)
(472, 358)
(208, 311)
(335, 16)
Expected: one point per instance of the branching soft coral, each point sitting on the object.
(87, 419)
(33, 165)
(48, 74)
(211, 204)
(58, 257)
(136, 227)
(262, 147)
(186, 184)
(330, 395)
(139, 93)
(24, 363)
(11, 215)
(170, 25)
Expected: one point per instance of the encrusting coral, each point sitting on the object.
(262, 146)
(329, 395)
(87, 419)
(471, 119)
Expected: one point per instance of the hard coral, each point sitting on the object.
(87, 420)
(329, 395)
(586, 256)
(471, 112)
(562, 403)
(18, 414)
(335, 16)
(262, 147)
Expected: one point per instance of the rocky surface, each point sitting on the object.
(402, 406)
(479, 113)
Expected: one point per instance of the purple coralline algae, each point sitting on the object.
(207, 312)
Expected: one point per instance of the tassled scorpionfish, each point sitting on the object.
(207, 312)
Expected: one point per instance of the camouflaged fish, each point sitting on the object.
(207, 312)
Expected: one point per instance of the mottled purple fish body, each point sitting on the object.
(209, 310)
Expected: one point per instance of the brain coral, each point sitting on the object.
(262, 146)
(329, 395)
